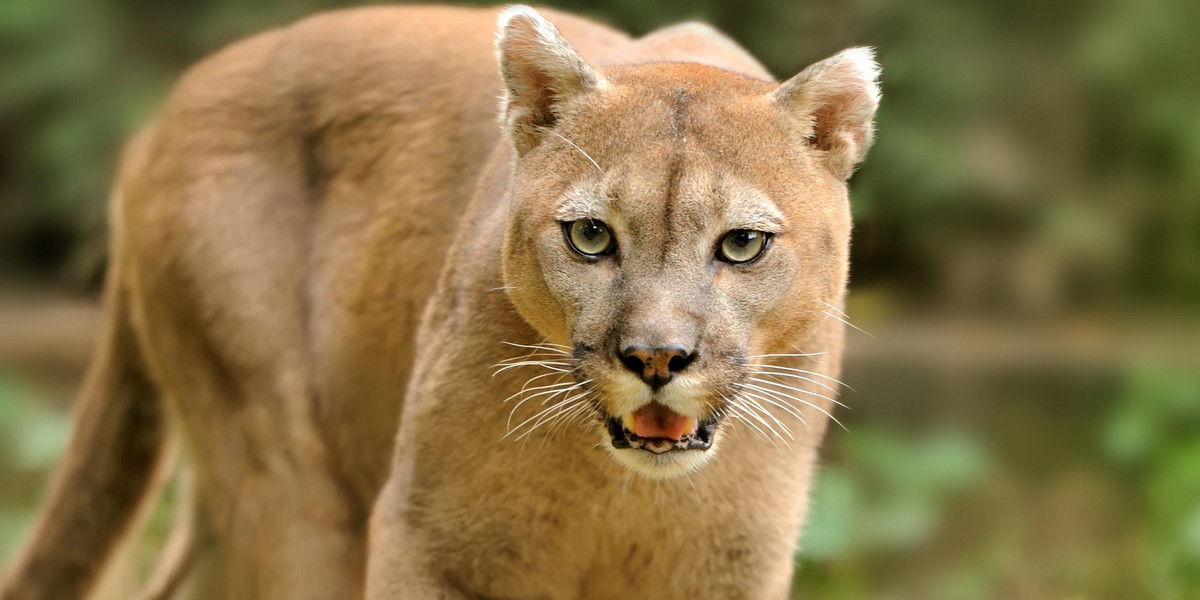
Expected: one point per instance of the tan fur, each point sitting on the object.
(325, 237)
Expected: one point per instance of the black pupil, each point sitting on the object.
(742, 239)
(590, 231)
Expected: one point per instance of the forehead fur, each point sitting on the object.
(683, 96)
(659, 128)
(739, 205)
(664, 108)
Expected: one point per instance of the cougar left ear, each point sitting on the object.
(836, 99)
(541, 71)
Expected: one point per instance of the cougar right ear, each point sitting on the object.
(541, 71)
(836, 100)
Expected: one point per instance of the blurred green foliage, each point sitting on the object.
(947, 513)
(887, 492)
(1151, 434)
(32, 436)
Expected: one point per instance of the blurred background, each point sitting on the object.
(1026, 406)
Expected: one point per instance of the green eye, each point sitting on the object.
(742, 245)
(589, 237)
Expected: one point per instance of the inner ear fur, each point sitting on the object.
(541, 71)
(835, 100)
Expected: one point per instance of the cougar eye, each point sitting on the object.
(742, 245)
(589, 237)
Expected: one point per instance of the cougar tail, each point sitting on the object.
(118, 437)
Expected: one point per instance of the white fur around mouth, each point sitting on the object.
(648, 458)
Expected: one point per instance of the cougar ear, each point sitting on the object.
(541, 71)
(836, 99)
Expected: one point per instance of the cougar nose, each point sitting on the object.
(656, 366)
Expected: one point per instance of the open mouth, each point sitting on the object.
(658, 429)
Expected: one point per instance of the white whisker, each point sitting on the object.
(782, 405)
(783, 355)
(557, 367)
(813, 373)
(759, 409)
(578, 416)
(737, 414)
(849, 324)
(585, 154)
(695, 491)
(551, 395)
(747, 412)
(836, 309)
(786, 397)
(502, 367)
(531, 360)
(799, 390)
(559, 383)
(543, 346)
(551, 389)
(556, 422)
(529, 356)
(585, 416)
(539, 417)
(565, 415)
(768, 373)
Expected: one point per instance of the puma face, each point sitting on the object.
(670, 227)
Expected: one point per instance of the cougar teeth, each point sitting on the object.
(689, 427)
(629, 423)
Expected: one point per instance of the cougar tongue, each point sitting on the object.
(657, 421)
